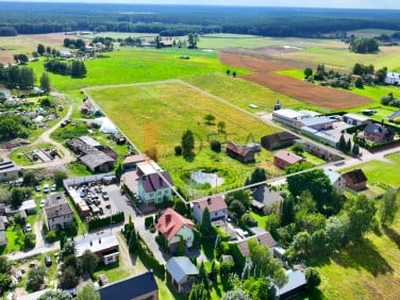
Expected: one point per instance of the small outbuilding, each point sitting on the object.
(283, 159)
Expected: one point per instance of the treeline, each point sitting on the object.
(177, 20)
(75, 68)
(17, 77)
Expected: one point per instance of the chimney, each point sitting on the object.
(208, 201)
(99, 240)
(91, 243)
(168, 219)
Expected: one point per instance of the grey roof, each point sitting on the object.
(8, 166)
(54, 211)
(130, 288)
(28, 205)
(96, 243)
(95, 159)
(181, 266)
(316, 121)
(266, 195)
(2, 225)
(289, 113)
(296, 279)
(55, 199)
(333, 176)
(356, 117)
(3, 238)
(379, 129)
(154, 182)
(89, 141)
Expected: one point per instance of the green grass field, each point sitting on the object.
(156, 115)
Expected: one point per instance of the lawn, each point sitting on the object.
(367, 270)
(381, 172)
(137, 113)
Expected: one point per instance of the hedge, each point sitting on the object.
(148, 259)
(100, 222)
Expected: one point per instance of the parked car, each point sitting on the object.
(37, 188)
(53, 187)
(48, 261)
(46, 188)
(28, 227)
(42, 203)
(105, 196)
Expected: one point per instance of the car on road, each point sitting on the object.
(42, 203)
(46, 188)
(28, 227)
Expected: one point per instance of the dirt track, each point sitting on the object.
(265, 75)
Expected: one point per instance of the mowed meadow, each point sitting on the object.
(156, 115)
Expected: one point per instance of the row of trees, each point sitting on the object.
(75, 68)
(178, 21)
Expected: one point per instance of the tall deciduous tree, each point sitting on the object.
(88, 262)
(41, 49)
(45, 82)
(360, 211)
(389, 208)
(88, 292)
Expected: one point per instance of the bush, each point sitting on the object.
(51, 236)
(148, 221)
(149, 260)
(100, 222)
(248, 221)
(178, 150)
(215, 146)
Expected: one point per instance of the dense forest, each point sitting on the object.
(175, 20)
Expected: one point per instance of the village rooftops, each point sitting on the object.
(8, 166)
(56, 211)
(96, 243)
(288, 156)
(148, 167)
(131, 288)
(155, 181)
(214, 204)
(170, 222)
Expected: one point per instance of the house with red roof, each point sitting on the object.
(216, 206)
(175, 227)
(283, 159)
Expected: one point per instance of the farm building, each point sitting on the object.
(98, 161)
(139, 287)
(283, 159)
(57, 212)
(278, 140)
(105, 246)
(8, 170)
(378, 133)
(175, 227)
(320, 136)
(216, 206)
(239, 153)
(182, 273)
(130, 162)
(355, 180)
(288, 116)
(317, 123)
(355, 119)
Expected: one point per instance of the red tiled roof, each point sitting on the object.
(135, 159)
(242, 151)
(356, 176)
(214, 204)
(170, 222)
(289, 157)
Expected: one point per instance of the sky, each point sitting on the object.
(364, 4)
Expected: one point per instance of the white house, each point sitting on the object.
(105, 246)
(392, 78)
(216, 206)
(337, 181)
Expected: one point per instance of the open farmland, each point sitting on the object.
(156, 115)
(264, 74)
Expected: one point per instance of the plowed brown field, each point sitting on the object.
(264, 74)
